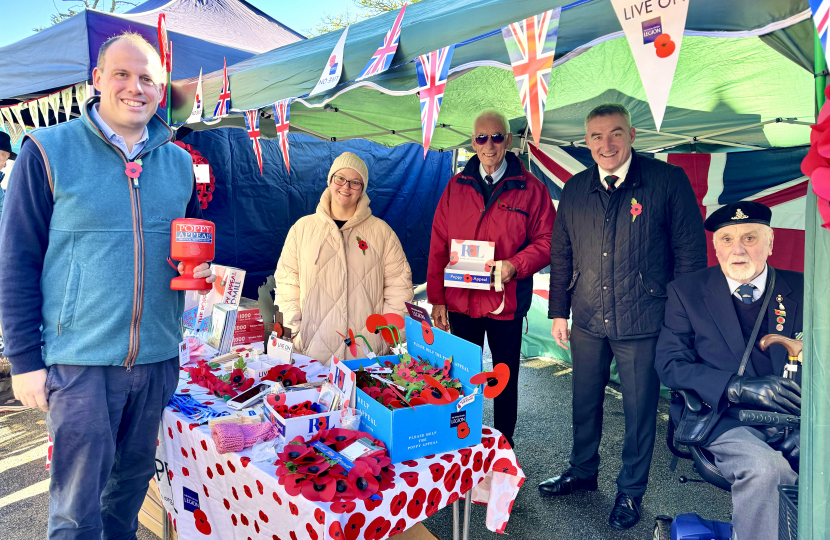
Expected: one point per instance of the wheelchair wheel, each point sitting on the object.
(662, 528)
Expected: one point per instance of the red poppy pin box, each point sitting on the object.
(469, 266)
(414, 432)
(308, 425)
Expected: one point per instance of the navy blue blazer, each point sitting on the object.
(701, 345)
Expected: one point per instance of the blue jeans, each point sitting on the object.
(104, 422)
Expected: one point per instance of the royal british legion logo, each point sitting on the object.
(651, 29)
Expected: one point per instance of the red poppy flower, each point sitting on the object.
(466, 481)
(233, 519)
(311, 532)
(372, 504)
(636, 209)
(398, 503)
(416, 504)
(489, 461)
(293, 535)
(235, 496)
(453, 474)
(503, 444)
(227, 504)
(243, 519)
(473, 251)
(437, 395)
(664, 45)
(313, 469)
(244, 461)
(478, 462)
(448, 457)
(336, 531)
(364, 483)
(319, 516)
(294, 452)
(209, 473)
(453, 497)
(321, 488)
(363, 245)
(204, 488)
(277, 498)
(488, 442)
(502, 205)
(437, 471)
(179, 427)
(201, 520)
(220, 470)
(185, 472)
(263, 516)
(433, 501)
(411, 478)
(463, 430)
(353, 526)
(248, 492)
(468, 278)
(237, 377)
(133, 169)
(495, 380)
(377, 529)
(453, 257)
(169, 475)
(231, 466)
(399, 527)
(504, 465)
(204, 445)
(293, 484)
(343, 507)
(429, 337)
(410, 463)
(256, 526)
(466, 454)
(293, 507)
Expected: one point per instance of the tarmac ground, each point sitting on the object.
(543, 444)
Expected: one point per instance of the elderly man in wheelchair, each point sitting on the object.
(713, 352)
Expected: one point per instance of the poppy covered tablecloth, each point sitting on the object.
(209, 495)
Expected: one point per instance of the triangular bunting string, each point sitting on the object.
(282, 113)
(224, 103)
(196, 111)
(531, 44)
(55, 104)
(43, 105)
(332, 71)
(252, 124)
(66, 100)
(81, 95)
(18, 113)
(432, 70)
(382, 58)
(33, 112)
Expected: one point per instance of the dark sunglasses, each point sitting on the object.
(498, 138)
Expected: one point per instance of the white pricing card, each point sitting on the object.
(280, 348)
(202, 173)
(184, 352)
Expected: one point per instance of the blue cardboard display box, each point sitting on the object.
(428, 429)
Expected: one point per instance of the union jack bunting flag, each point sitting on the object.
(531, 44)
(282, 111)
(224, 104)
(252, 124)
(432, 69)
(382, 58)
(821, 14)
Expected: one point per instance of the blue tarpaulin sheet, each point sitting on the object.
(253, 213)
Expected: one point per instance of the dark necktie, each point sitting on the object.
(746, 292)
(489, 180)
(611, 180)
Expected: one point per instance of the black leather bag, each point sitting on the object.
(698, 418)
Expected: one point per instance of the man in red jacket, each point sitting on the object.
(494, 199)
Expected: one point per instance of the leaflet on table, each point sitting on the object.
(227, 289)
(222, 323)
(468, 268)
(412, 433)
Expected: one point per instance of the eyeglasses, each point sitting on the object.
(342, 181)
(498, 138)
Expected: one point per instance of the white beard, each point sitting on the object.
(742, 273)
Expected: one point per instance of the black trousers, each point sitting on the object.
(505, 340)
(640, 389)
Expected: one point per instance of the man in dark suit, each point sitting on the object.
(623, 230)
(710, 316)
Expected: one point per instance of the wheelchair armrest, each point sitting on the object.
(692, 400)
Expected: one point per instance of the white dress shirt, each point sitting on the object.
(760, 283)
(497, 174)
(620, 173)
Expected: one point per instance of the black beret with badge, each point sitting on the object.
(737, 213)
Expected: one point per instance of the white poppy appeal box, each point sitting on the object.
(469, 266)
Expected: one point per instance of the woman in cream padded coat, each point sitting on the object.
(340, 265)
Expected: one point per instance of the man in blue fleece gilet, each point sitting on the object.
(90, 324)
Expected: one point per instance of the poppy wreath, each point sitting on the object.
(286, 374)
(205, 191)
(423, 382)
(305, 471)
(816, 163)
